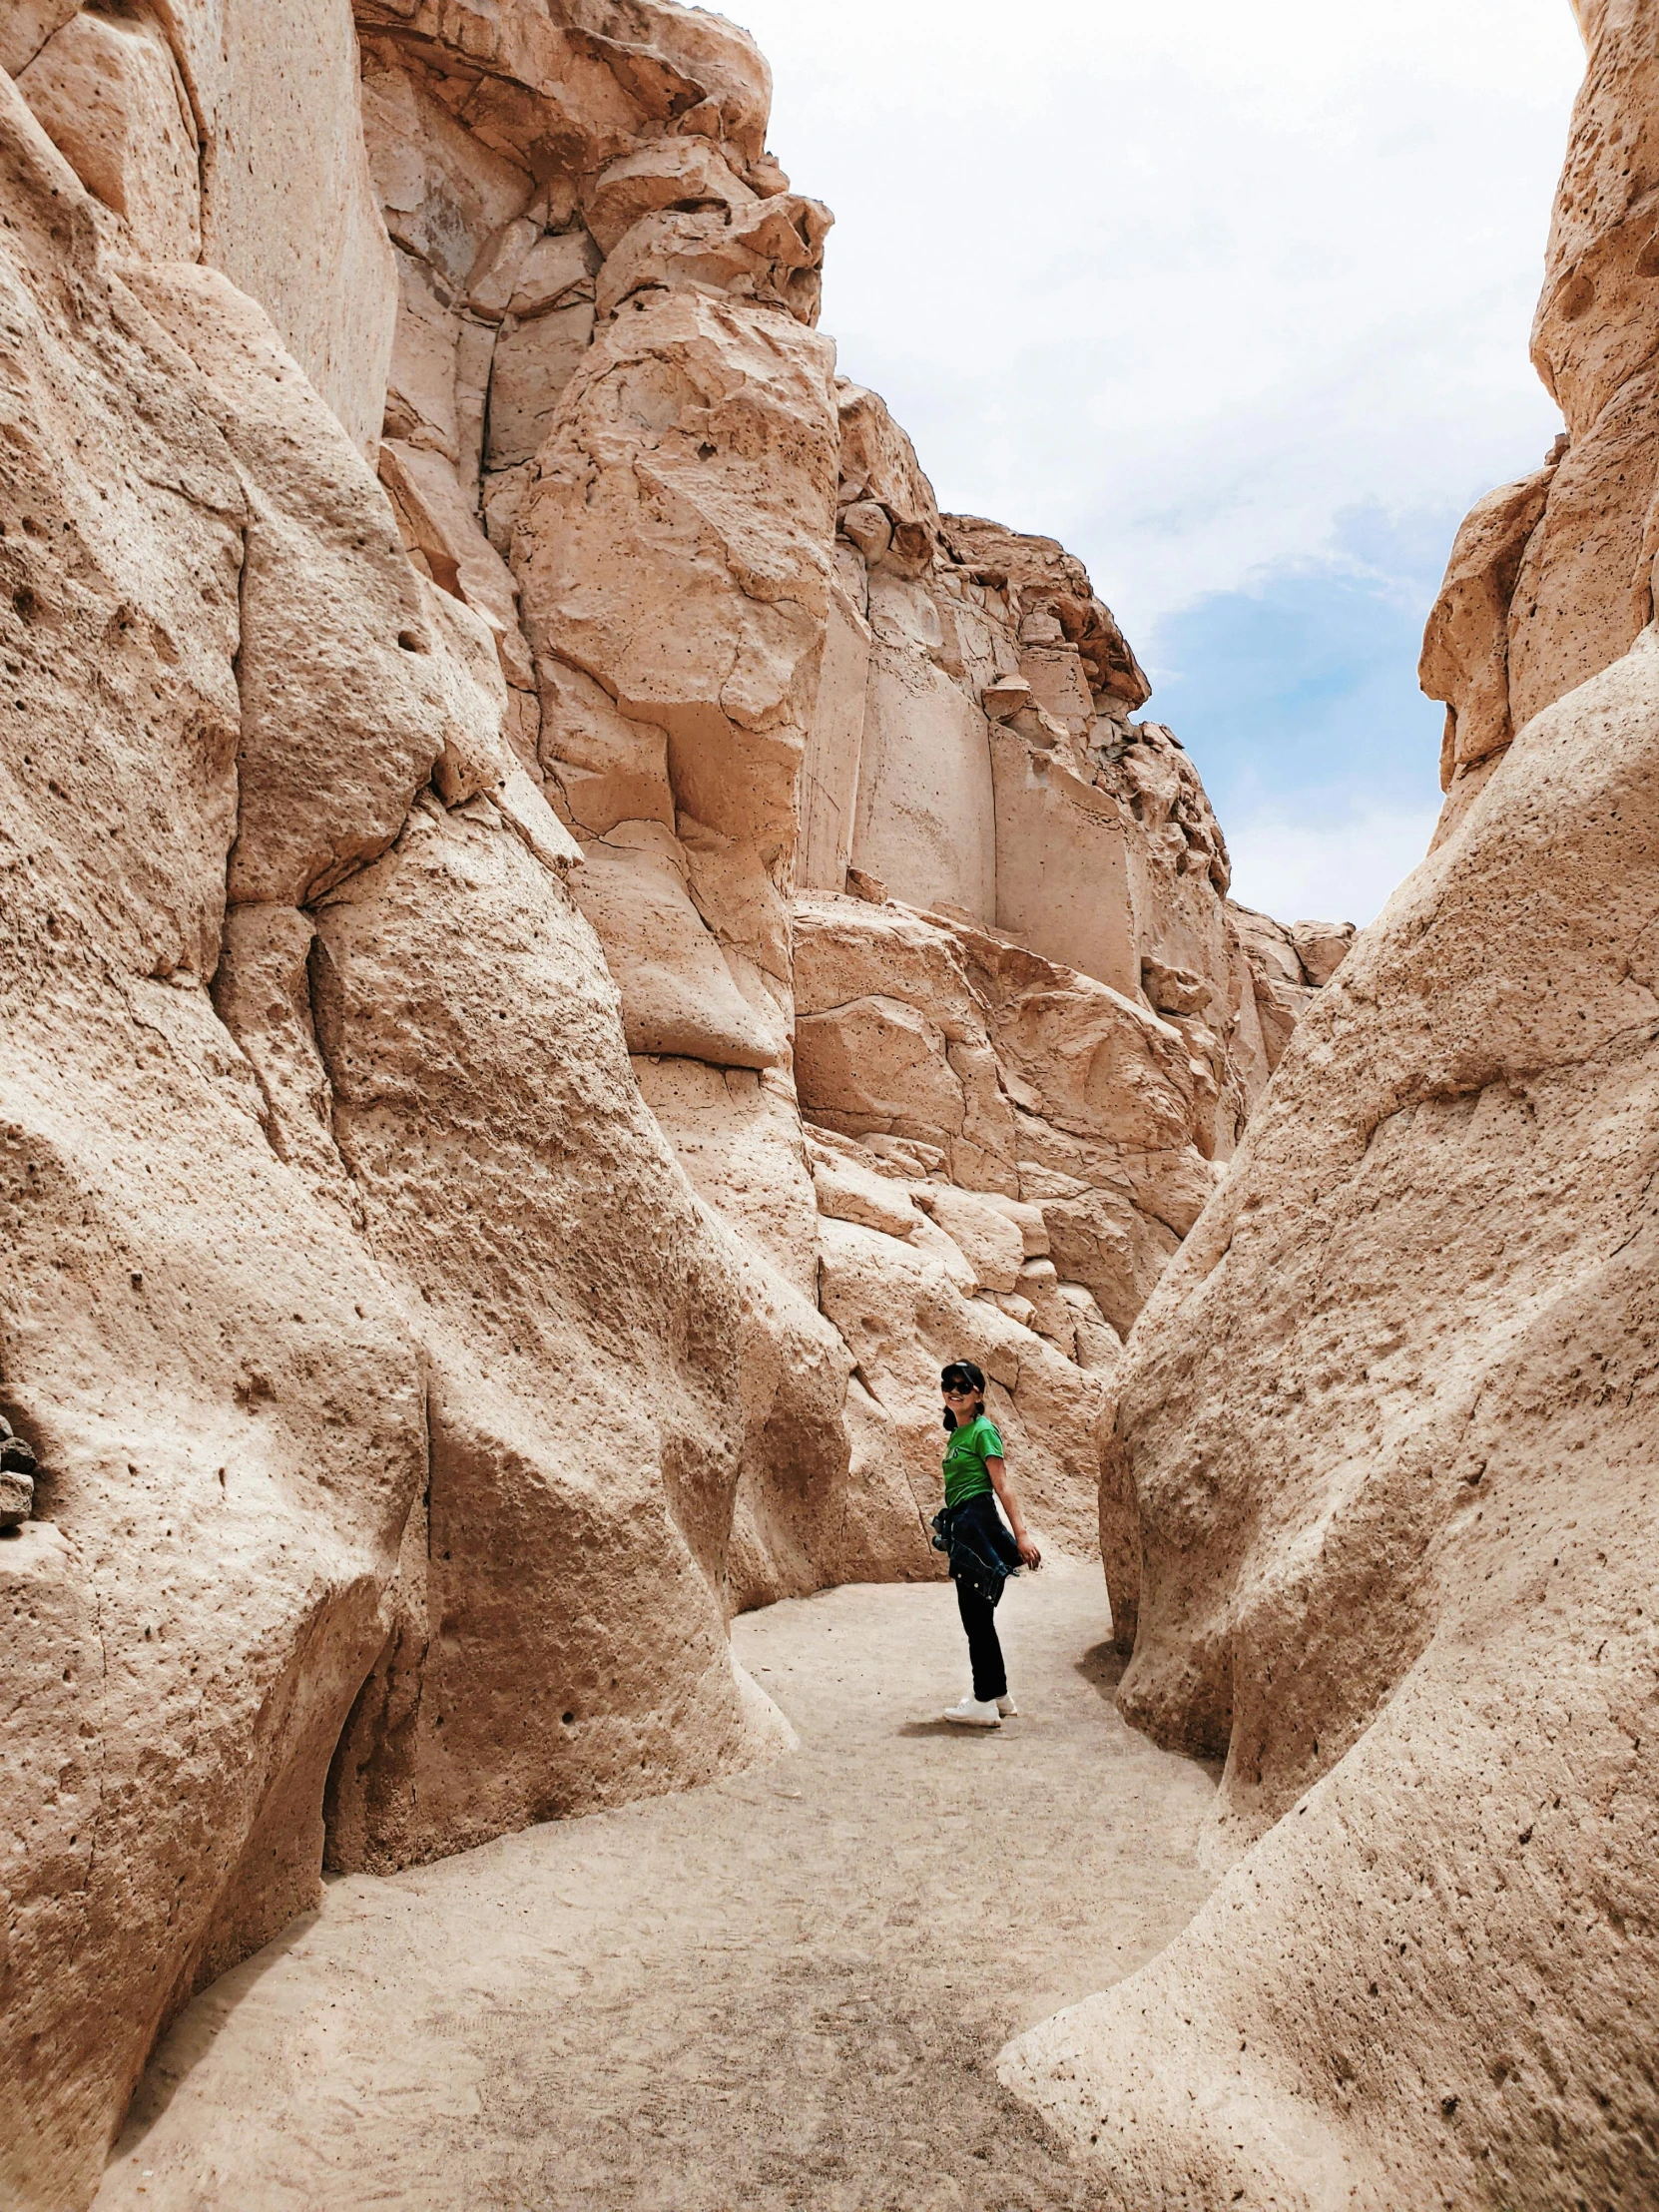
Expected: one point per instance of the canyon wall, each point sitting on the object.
(569, 939)
(1383, 1479)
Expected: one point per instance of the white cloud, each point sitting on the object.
(1186, 285)
(1181, 285)
(1341, 869)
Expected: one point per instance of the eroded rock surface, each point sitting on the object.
(1551, 578)
(262, 1302)
(1383, 1477)
(570, 939)
(752, 665)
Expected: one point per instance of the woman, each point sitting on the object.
(983, 1554)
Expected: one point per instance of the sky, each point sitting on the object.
(1235, 301)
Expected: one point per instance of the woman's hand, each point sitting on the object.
(1029, 1555)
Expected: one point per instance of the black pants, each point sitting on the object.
(990, 1679)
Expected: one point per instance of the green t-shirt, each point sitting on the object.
(964, 1460)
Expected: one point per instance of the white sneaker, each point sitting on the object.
(1007, 1708)
(971, 1714)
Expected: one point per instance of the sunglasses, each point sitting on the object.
(959, 1394)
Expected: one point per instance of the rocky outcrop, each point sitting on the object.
(748, 659)
(320, 1133)
(1382, 1472)
(569, 941)
(610, 434)
(222, 1385)
(1551, 578)
(1286, 967)
(214, 142)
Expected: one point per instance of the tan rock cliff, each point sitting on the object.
(1551, 579)
(490, 1172)
(1383, 1476)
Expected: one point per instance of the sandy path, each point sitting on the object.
(786, 1990)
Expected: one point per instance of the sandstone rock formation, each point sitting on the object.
(300, 1268)
(751, 666)
(1381, 1485)
(569, 939)
(1550, 580)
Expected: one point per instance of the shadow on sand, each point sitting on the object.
(1102, 1669)
(190, 2039)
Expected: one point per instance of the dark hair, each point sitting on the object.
(963, 1374)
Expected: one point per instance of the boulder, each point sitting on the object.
(661, 175)
(1004, 695)
(880, 476)
(771, 253)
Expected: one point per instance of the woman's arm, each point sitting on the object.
(997, 1469)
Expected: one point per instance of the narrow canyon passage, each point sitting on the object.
(789, 1989)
